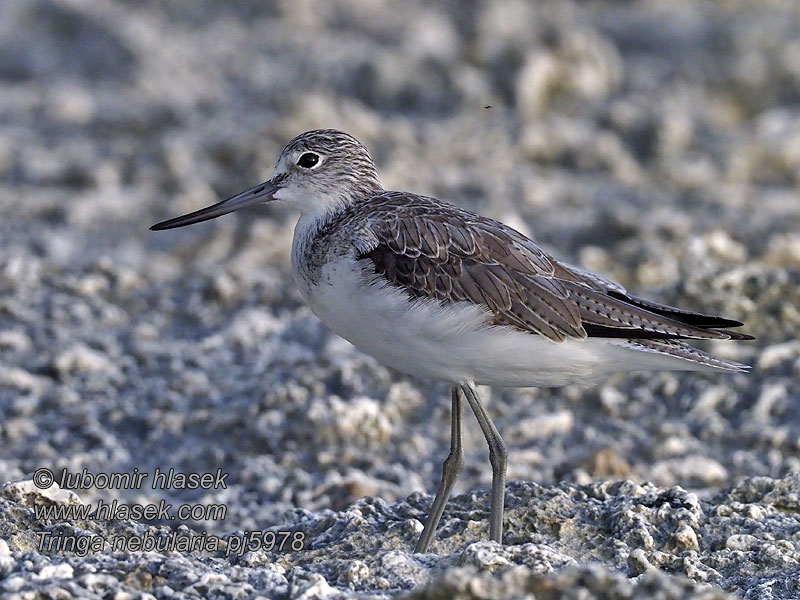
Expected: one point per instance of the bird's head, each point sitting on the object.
(317, 172)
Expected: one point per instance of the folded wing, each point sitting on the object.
(438, 251)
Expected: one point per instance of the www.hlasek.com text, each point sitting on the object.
(107, 511)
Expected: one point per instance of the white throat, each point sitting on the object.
(311, 203)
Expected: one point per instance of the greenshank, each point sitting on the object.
(439, 292)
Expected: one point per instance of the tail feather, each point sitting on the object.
(684, 351)
(735, 335)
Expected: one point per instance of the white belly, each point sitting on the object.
(453, 342)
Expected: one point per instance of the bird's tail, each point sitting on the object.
(684, 352)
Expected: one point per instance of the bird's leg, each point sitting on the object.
(450, 470)
(498, 457)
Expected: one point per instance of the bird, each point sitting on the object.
(439, 292)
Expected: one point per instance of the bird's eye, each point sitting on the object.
(308, 160)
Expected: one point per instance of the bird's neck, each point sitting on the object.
(317, 216)
(309, 227)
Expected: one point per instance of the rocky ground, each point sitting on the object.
(658, 144)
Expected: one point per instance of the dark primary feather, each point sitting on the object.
(436, 250)
(690, 318)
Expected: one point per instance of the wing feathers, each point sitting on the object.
(690, 318)
(436, 250)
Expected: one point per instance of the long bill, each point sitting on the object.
(256, 195)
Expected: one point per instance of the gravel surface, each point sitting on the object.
(656, 143)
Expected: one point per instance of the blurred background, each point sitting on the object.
(657, 143)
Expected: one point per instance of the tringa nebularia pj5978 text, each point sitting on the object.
(436, 291)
